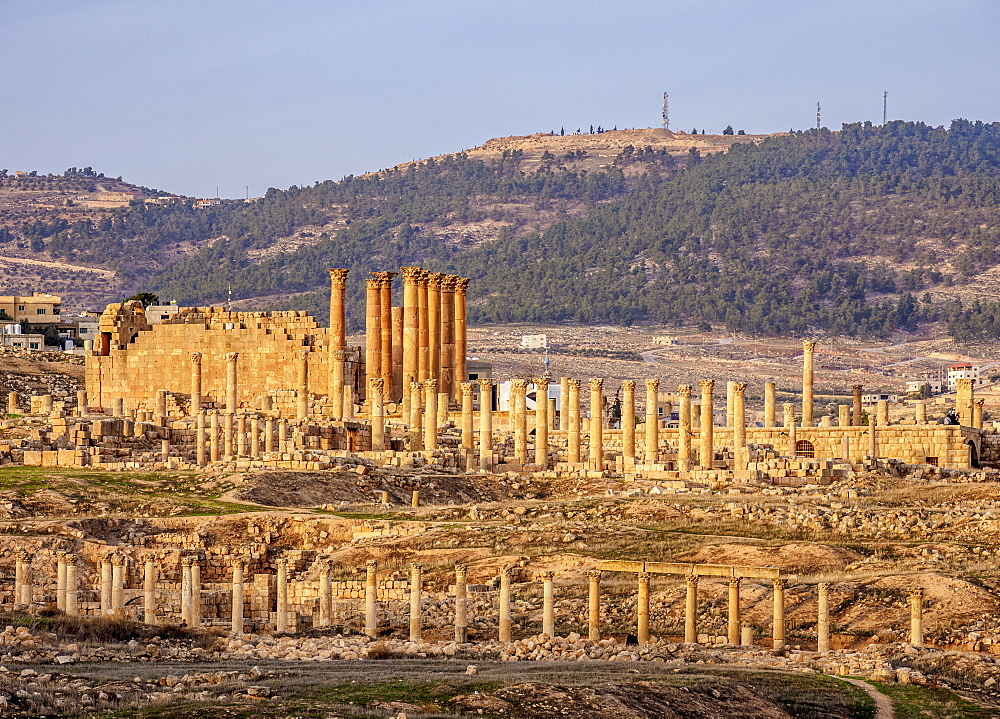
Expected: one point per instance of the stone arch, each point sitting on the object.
(804, 448)
(973, 453)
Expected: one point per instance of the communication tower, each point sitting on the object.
(885, 106)
(817, 116)
(666, 112)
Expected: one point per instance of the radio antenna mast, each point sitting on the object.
(817, 116)
(666, 112)
(885, 106)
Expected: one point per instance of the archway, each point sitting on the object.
(804, 448)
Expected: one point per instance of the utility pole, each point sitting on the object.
(666, 112)
(885, 106)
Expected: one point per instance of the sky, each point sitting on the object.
(241, 95)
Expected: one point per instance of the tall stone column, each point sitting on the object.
(416, 590)
(302, 385)
(117, 582)
(596, 424)
(81, 403)
(325, 595)
(237, 609)
(729, 403)
(468, 432)
(268, 435)
(199, 453)
(882, 409)
(442, 409)
(411, 328)
(977, 412)
(26, 594)
(966, 401)
(518, 420)
(769, 404)
(371, 598)
(573, 422)
(485, 424)
(254, 437)
(424, 335)
(916, 596)
(691, 608)
(684, 428)
(434, 325)
(505, 577)
(856, 411)
(461, 605)
(921, 412)
(186, 609)
(542, 422)
(61, 580)
(823, 618)
(548, 605)
(792, 437)
(106, 603)
(72, 591)
(594, 606)
(430, 414)
(373, 329)
(652, 443)
(338, 318)
(628, 422)
(740, 453)
(416, 404)
(447, 359)
(149, 590)
(196, 606)
(398, 388)
(227, 437)
(873, 435)
(778, 628)
(241, 435)
(335, 389)
(213, 437)
(195, 383)
(843, 416)
(461, 330)
(281, 615)
(808, 347)
(733, 634)
(707, 401)
(385, 328)
(13, 403)
(642, 608)
(563, 403)
(232, 398)
(376, 390)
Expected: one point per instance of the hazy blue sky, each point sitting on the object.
(186, 95)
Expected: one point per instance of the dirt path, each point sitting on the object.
(883, 704)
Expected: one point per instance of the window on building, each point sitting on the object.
(932, 461)
(804, 448)
(20, 308)
(33, 345)
(40, 311)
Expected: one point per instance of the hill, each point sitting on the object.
(862, 231)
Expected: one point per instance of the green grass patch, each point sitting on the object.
(427, 693)
(917, 702)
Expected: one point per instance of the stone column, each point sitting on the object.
(336, 387)
(594, 606)
(916, 617)
(411, 327)
(213, 437)
(376, 391)
(232, 398)
(965, 397)
(23, 581)
(882, 409)
(856, 404)
(371, 598)
(106, 604)
(564, 403)
(920, 411)
(283, 443)
(707, 400)
(596, 424)
(149, 590)
(281, 615)
(325, 595)
(628, 422)
(548, 605)
(652, 443)
(268, 434)
(398, 388)
(447, 335)
(740, 454)
(778, 628)
(792, 438)
(843, 416)
(684, 428)
(241, 436)
(161, 408)
(186, 608)
(518, 420)
(72, 593)
(461, 329)
(733, 634)
(769, 404)
(385, 327)
(61, 580)
(195, 382)
(872, 436)
(505, 577)
(196, 607)
(977, 412)
(808, 347)
(237, 609)
(227, 437)
(254, 437)
(338, 323)
(13, 403)
(729, 404)
(302, 386)
(485, 424)
(542, 422)
(117, 582)
(373, 329)
(442, 409)
(434, 325)
(416, 589)
(423, 336)
(691, 609)
(642, 608)
(416, 418)
(199, 451)
(461, 605)
(845, 448)
(573, 427)
(823, 618)
(430, 414)
(468, 432)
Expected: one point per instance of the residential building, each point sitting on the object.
(39, 308)
(963, 370)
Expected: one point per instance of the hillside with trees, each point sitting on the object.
(863, 232)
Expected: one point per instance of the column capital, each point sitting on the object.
(594, 574)
(461, 569)
(373, 283)
(187, 561)
(595, 383)
(644, 577)
(430, 384)
(707, 385)
(196, 357)
(916, 593)
(965, 383)
(448, 283)
(507, 572)
(382, 278)
(411, 274)
(119, 560)
(61, 556)
(462, 285)
(377, 384)
(518, 384)
(574, 384)
(548, 576)
(237, 561)
(434, 280)
(302, 354)
(416, 386)
(739, 387)
(339, 354)
(416, 567)
(691, 580)
(283, 562)
(684, 390)
(628, 384)
(822, 587)
(232, 356)
(485, 385)
(979, 401)
(371, 565)
(780, 583)
(808, 346)
(652, 385)
(857, 388)
(735, 581)
(467, 389)
(338, 277)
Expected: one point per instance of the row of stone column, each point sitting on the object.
(226, 436)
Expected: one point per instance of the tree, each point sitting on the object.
(146, 298)
(740, 132)
(728, 130)
(562, 130)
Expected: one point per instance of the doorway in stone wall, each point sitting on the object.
(804, 448)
